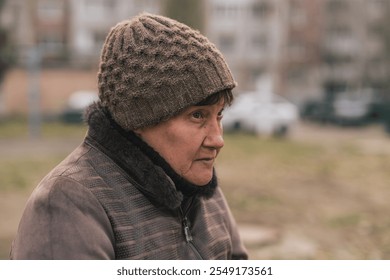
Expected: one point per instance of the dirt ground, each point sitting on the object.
(327, 219)
(263, 240)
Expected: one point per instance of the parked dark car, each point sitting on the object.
(346, 108)
(384, 111)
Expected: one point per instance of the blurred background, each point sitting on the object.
(306, 163)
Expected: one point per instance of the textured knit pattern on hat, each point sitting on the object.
(152, 67)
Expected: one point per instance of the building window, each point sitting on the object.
(100, 6)
(51, 42)
(110, 4)
(255, 74)
(99, 38)
(227, 42)
(226, 10)
(377, 8)
(260, 42)
(50, 10)
(340, 31)
(298, 15)
(380, 4)
(337, 5)
(261, 9)
(296, 75)
(297, 49)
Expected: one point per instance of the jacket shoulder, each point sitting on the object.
(63, 220)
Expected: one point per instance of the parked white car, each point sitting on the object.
(77, 102)
(251, 112)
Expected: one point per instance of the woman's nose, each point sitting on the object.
(214, 137)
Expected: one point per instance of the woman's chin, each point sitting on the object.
(201, 180)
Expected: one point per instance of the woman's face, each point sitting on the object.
(190, 141)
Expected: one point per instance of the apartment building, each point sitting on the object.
(303, 48)
(248, 34)
(92, 19)
(353, 45)
(276, 40)
(66, 32)
(299, 68)
(309, 48)
(41, 25)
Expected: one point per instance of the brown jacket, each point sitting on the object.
(107, 200)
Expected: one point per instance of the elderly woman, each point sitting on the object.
(142, 184)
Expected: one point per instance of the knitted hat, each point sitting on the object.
(152, 67)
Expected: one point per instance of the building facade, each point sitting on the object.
(66, 32)
(303, 48)
(353, 45)
(248, 33)
(299, 69)
(92, 20)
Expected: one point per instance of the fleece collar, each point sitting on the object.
(152, 174)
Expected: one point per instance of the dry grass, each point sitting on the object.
(321, 194)
(323, 200)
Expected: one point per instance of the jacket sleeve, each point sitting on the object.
(239, 251)
(63, 220)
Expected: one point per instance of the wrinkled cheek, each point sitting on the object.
(199, 174)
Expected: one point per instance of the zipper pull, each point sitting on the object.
(187, 231)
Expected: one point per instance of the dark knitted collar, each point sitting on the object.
(153, 175)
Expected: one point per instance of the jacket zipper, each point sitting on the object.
(187, 230)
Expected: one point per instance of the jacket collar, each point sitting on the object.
(149, 178)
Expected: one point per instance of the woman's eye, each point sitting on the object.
(197, 115)
(220, 114)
